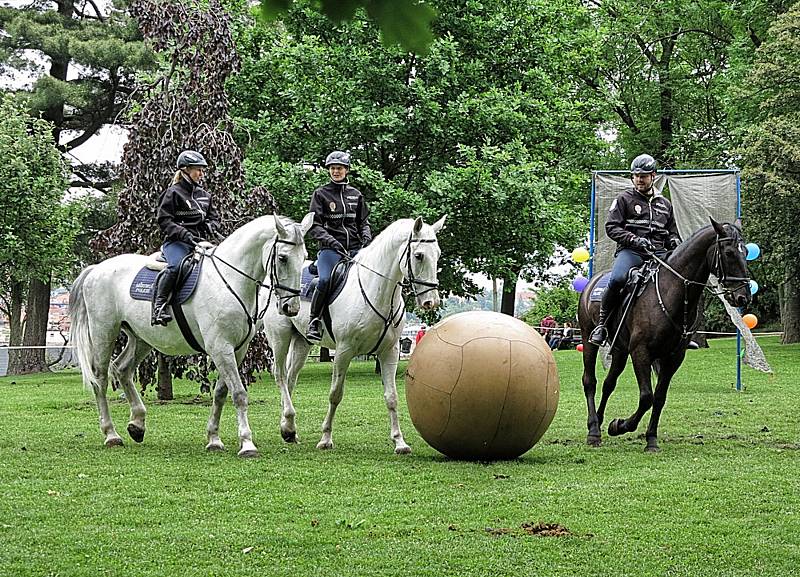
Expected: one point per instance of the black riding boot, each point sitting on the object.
(161, 312)
(600, 333)
(314, 333)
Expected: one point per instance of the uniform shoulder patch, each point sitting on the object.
(613, 205)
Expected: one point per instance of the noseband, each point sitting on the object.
(411, 280)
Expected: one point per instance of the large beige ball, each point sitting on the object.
(482, 385)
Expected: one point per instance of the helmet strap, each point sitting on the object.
(185, 174)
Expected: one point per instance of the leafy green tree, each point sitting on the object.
(772, 159)
(560, 301)
(37, 228)
(496, 86)
(404, 22)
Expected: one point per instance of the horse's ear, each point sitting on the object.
(418, 225)
(439, 224)
(307, 223)
(717, 227)
(738, 224)
(279, 228)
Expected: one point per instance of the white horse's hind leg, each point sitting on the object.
(340, 364)
(101, 359)
(220, 394)
(229, 374)
(388, 359)
(123, 369)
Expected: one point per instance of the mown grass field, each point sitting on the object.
(721, 498)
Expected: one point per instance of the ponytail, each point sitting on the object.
(178, 177)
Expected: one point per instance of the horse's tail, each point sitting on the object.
(79, 330)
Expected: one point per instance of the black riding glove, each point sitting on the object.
(643, 244)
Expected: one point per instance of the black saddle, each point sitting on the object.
(636, 283)
(144, 283)
(310, 279)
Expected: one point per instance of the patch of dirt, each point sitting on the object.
(498, 530)
(546, 529)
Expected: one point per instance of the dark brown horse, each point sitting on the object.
(658, 325)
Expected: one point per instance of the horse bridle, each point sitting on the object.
(407, 286)
(274, 286)
(717, 267)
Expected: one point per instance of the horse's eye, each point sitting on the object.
(282, 258)
(419, 256)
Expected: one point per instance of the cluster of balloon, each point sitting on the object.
(753, 252)
(580, 255)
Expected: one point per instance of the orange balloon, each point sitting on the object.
(579, 348)
(750, 320)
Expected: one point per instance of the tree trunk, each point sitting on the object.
(164, 379)
(33, 360)
(790, 311)
(324, 355)
(509, 297)
(666, 98)
(15, 326)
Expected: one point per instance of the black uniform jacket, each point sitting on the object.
(341, 217)
(633, 215)
(186, 213)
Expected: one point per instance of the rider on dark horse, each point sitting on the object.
(186, 216)
(642, 224)
(341, 227)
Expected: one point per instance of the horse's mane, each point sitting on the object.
(262, 222)
(399, 229)
(689, 242)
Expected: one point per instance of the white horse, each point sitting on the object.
(367, 317)
(221, 314)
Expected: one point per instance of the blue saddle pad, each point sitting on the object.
(143, 285)
(599, 289)
(308, 281)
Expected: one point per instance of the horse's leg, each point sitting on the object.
(340, 364)
(103, 347)
(642, 367)
(589, 390)
(292, 364)
(227, 366)
(388, 359)
(123, 368)
(619, 358)
(220, 394)
(668, 368)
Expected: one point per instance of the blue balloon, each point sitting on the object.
(752, 250)
(753, 287)
(579, 283)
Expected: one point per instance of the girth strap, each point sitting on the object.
(180, 318)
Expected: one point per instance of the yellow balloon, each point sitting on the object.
(580, 254)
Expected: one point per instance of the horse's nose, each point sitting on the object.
(742, 300)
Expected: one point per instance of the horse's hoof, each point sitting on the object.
(652, 446)
(215, 447)
(615, 427)
(593, 440)
(290, 436)
(325, 445)
(248, 453)
(402, 450)
(114, 442)
(136, 432)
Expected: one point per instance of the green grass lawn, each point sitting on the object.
(721, 498)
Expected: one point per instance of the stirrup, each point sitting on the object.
(314, 334)
(161, 317)
(599, 335)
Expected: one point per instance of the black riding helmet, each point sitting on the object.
(338, 157)
(189, 158)
(643, 163)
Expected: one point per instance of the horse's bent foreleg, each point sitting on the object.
(388, 359)
(219, 396)
(642, 368)
(589, 390)
(340, 364)
(619, 359)
(669, 367)
(124, 368)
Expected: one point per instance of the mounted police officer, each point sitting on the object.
(186, 216)
(341, 227)
(642, 223)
